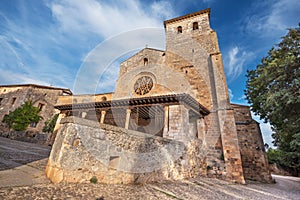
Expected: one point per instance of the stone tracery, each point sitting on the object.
(143, 85)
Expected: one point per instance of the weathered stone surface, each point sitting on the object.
(34, 185)
(43, 97)
(117, 155)
(254, 158)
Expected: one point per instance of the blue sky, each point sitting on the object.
(47, 41)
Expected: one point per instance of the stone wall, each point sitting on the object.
(42, 97)
(26, 136)
(11, 98)
(166, 79)
(145, 58)
(254, 159)
(63, 100)
(84, 148)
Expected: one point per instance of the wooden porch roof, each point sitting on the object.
(172, 99)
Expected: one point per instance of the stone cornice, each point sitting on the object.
(187, 16)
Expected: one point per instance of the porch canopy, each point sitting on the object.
(135, 113)
(171, 99)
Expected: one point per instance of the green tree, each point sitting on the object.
(50, 124)
(273, 90)
(274, 156)
(21, 117)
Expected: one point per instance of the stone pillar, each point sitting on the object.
(231, 151)
(56, 127)
(201, 129)
(158, 122)
(166, 121)
(128, 111)
(83, 115)
(103, 113)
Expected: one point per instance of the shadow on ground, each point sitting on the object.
(16, 153)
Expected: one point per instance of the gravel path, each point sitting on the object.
(22, 177)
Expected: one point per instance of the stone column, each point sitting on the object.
(166, 121)
(56, 127)
(128, 111)
(83, 115)
(157, 122)
(201, 130)
(103, 113)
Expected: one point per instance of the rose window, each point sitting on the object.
(143, 85)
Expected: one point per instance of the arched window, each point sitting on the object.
(104, 98)
(145, 61)
(179, 29)
(195, 26)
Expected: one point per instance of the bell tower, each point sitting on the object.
(190, 38)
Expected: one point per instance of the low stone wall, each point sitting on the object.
(84, 149)
(26, 136)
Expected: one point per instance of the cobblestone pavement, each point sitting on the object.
(22, 163)
(197, 188)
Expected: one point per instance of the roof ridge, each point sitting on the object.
(34, 85)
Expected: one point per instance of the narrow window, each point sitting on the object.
(13, 101)
(40, 106)
(145, 61)
(195, 26)
(1, 100)
(179, 29)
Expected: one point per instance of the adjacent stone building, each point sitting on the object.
(169, 118)
(43, 97)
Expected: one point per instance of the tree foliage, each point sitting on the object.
(21, 117)
(273, 90)
(274, 156)
(50, 124)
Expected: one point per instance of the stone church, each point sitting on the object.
(169, 118)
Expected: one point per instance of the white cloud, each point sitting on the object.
(47, 49)
(9, 77)
(32, 49)
(243, 97)
(276, 17)
(208, 1)
(235, 62)
(125, 25)
(230, 94)
(108, 18)
(24, 58)
(163, 9)
(99, 60)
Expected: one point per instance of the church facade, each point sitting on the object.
(169, 118)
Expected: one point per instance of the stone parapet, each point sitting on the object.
(84, 149)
